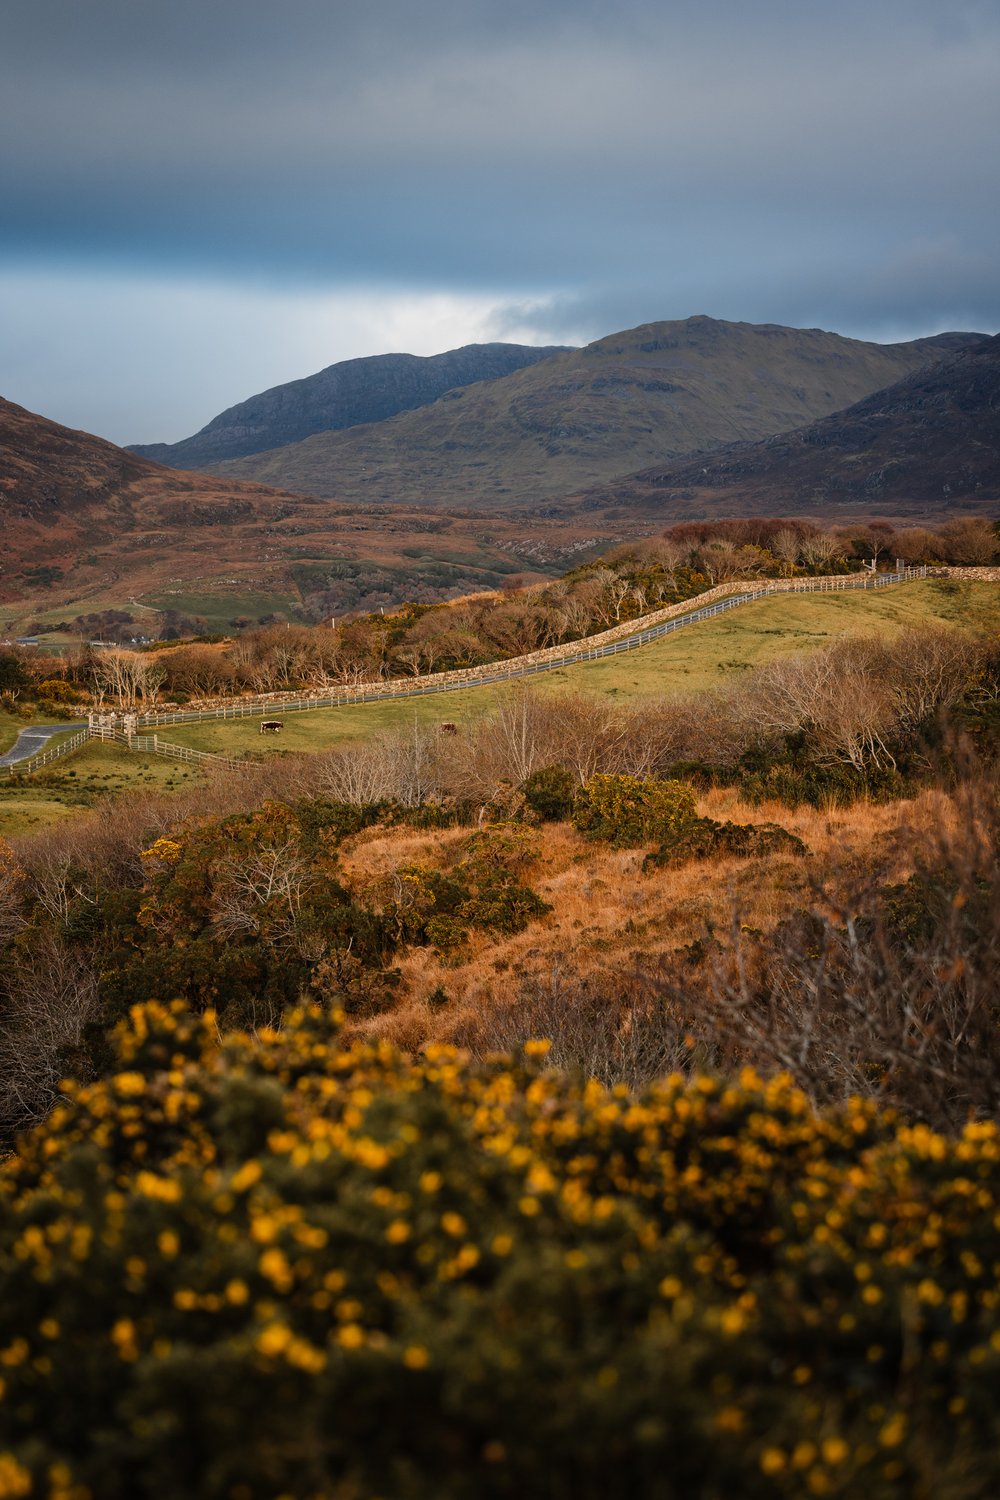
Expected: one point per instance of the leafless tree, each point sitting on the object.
(262, 889)
(786, 546)
(49, 993)
(820, 549)
(970, 541)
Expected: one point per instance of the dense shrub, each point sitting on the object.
(57, 690)
(549, 793)
(482, 890)
(701, 838)
(236, 913)
(13, 674)
(278, 1267)
(630, 810)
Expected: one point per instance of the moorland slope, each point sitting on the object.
(86, 525)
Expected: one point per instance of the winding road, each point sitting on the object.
(30, 741)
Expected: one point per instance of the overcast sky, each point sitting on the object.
(203, 198)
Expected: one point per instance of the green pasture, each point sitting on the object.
(698, 657)
(784, 625)
(219, 610)
(31, 804)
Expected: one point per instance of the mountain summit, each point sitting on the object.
(343, 395)
(594, 414)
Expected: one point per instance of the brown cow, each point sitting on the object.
(271, 726)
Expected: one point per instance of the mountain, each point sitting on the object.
(594, 414)
(924, 446)
(343, 395)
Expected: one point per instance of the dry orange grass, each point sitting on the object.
(609, 918)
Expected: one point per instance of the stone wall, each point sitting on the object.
(552, 655)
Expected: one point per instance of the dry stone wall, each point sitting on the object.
(548, 656)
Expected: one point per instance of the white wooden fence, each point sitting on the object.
(592, 648)
(151, 744)
(47, 756)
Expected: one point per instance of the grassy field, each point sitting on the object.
(217, 608)
(220, 610)
(784, 625)
(704, 655)
(39, 802)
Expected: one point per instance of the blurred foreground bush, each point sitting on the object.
(272, 1266)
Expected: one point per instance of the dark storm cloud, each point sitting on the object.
(558, 168)
(483, 144)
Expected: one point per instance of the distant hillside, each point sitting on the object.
(86, 526)
(51, 474)
(927, 445)
(343, 395)
(594, 414)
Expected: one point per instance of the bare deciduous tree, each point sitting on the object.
(49, 995)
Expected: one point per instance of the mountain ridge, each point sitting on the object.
(926, 443)
(585, 416)
(86, 525)
(348, 393)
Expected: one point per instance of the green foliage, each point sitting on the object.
(483, 890)
(277, 1266)
(549, 793)
(56, 690)
(703, 838)
(236, 914)
(631, 810)
(13, 675)
(818, 785)
(43, 576)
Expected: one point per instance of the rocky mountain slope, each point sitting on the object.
(343, 395)
(927, 445)
(594, 414)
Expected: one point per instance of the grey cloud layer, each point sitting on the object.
(546, 144)
(561, 167)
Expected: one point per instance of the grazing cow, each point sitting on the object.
(449, 728)
(271, 726)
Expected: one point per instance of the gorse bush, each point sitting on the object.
(483, 890)
(277, 1266)
(705, 838)
(630, 810)
(549, 793)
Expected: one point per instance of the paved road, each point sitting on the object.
(30, 741)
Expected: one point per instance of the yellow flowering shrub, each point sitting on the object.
(289, 1267)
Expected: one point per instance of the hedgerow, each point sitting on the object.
(276, 1266)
